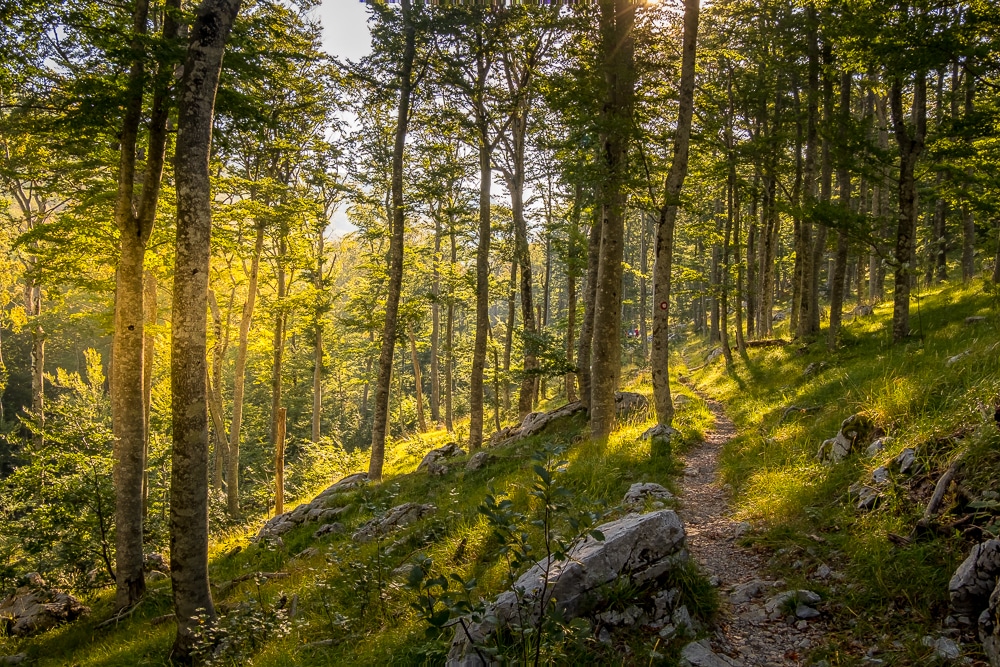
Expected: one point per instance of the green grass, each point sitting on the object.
(891, 596)
(336, 592)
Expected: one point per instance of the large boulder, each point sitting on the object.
(34, 608)
(974, 580)
(394, 519)
(433, 461)
(855, 431)
(637, 547)
(534, 423)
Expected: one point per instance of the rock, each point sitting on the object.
(156, 575)
(700, 654)
(324, 514)
(433, 460)
(779, 316)
(713, 354)
(813, 368)
(681, 400)
(307, 553)
(866, 495)
(349, 483)
(989, 628)
(34, 608)
(974, 319)
(975, 579)
(639, 492)
(638, 547)
(878, 445)
(534, 423)
(944, 647)
(749, 590)
(629, 403)
(155, 561)
(951, 361)
(504, 434)
(854, 431)
(479, 460)
(16, 659)
(663, 602)
(328, 529)
(604, 636)
(742, 528)
(805, 612)
(823, 571)
(396, 518)
(681, 619)
(905, 460)
(661, 439)
(775, 606)
(880, 475)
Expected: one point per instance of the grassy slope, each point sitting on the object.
(337, 589)
(891, 596)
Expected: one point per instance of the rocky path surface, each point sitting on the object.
(757, 627)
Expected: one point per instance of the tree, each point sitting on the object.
(189, 470)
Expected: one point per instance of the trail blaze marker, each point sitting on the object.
(663, 305)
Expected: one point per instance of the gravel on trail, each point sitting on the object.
(745, 631)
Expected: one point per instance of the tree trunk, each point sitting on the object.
(660, 353)
(911, 144)
(522, 254)
(417, 382)
(844, 181)
(449, 340)
(617, 45)
(587, 327)
(189, 470)
(134, 218)
(239, 379)
(215, 394)
(482, 295)
(436, 326)
(317, 388)
(571, 271)
(150, 312)
(381, 416)
(278, 339)
(508, 341)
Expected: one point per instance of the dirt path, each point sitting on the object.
(744, 632)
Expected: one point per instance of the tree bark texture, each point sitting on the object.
(189, 470)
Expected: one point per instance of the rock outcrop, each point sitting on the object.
(394, 519)
(974, 580)
(35, 607)
(315, 511)
(433, 462)
(637, 547)
(639, 492)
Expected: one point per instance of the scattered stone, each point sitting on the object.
(700, 654)
(156, 575)
(534, 423)
(774, 605)
(396, 518)
(478, 461)
(863, 310)
(779, 316)
(750, 590)
(904, 462)
(975, 579)
(637, 547)
(681, 400)
(16, 659)
(316, 510)
(335, 528)
(973, 319)
(349, 483)
(823, 571)
(866, 495)
(504, 434)
(805, 612)
(813, 368)
(944, 647)
(989, 628)
(714, 354)
(433, 461)
(880, 475)
(878, 445)
(35, 607)
(742, 529)
(639, 492)
(951, 361)
(663, 602)
(308, 552)
(604, 636)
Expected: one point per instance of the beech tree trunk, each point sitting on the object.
(587, 326)
(239, 379)
(436, 327)
(663, 264)
(911, 144)
(134, 218)
(617, 48)
(482, 294)
(189, 468)
(381, 416)
(838, 287)
(417, 382)
(150, 312)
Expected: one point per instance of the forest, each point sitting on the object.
(573, 236)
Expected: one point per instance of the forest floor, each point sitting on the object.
(743, 630)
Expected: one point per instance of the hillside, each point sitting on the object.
(882, 572)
